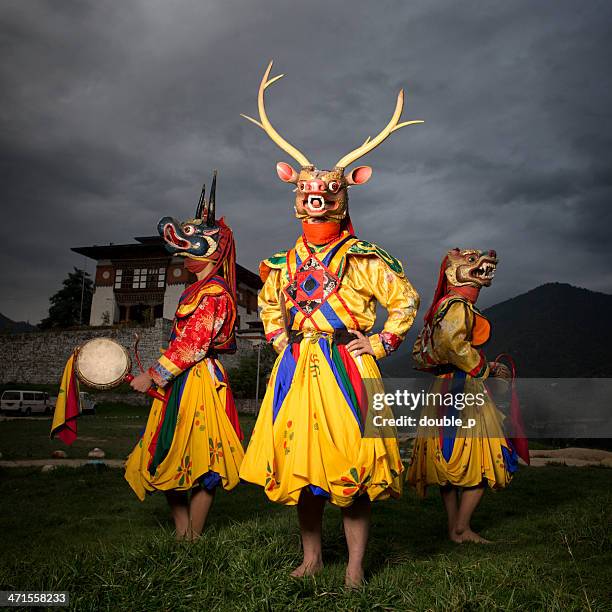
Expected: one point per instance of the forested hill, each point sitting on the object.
(554, 330)
(8, 326)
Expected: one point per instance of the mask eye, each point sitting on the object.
(333, 186)
(211, 232)
(188, 230)
(471, 259)
(302, 186)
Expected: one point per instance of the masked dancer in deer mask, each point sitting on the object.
(191, 444)
(318, 307)
(464, 460)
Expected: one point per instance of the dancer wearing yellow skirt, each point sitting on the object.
(308, 444)
(462, 461)
(318, 304)
(191, 444)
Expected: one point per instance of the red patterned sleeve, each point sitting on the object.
(193, 340)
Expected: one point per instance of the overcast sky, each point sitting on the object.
(113, 113)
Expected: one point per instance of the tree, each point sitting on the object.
(71, 305)
(243, 379)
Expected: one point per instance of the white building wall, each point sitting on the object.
(245, 316)
(171, 298)
(103, 301)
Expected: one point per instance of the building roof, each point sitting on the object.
(151, 247)
(121, 251)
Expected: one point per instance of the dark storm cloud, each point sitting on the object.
(113, 113)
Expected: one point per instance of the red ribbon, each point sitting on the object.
(519, 441)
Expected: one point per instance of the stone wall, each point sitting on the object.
(244, 406)
(39, 357)
(247, 406)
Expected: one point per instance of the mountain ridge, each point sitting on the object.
(555, 330)
(8, 326)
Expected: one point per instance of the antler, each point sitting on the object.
(265, 124)
(368, 145)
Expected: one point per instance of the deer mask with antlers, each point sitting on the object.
(322, 195)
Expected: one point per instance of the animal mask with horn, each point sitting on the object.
(322, 195)
(202, 239)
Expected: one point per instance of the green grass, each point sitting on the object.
(84, 531)
(115, 428)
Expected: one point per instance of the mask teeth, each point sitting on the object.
(485, 271)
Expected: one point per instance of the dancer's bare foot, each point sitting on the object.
(467, 535)
(307, 568)
(353, 578)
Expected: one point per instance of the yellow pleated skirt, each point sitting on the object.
(204, 449)
(462, 458)
(309, 431)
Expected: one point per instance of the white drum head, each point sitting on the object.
(102, 363)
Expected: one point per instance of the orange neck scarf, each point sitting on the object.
(320, 233)
(469, 293)
(195, 266)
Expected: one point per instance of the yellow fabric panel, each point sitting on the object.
(269, 303)
(365, 281)
(204, 440)
(316, 320)
(59, 414)
(477, 452)
(169, 365)
(371, 280)
(316, 439)
(451, 339)
(188, 307)
(377, 346)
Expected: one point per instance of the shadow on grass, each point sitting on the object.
(414, 528)
(84, 531)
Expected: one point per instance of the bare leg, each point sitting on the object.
(179, 507)
(199, 506)
(450, 497)
(356, 520)
(470, 498)
(310, 515)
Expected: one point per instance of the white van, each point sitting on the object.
(25, 402)
(88, 405)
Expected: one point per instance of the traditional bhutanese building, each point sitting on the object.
(141, 282)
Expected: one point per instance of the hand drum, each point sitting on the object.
(103, 364)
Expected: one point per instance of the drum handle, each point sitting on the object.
(150, 392)
(136, 354)
(130, 377)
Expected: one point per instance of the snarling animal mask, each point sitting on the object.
(470, 268)
(322, 195)
(203, 238)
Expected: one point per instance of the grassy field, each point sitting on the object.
(83, 531)
(114, 428)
